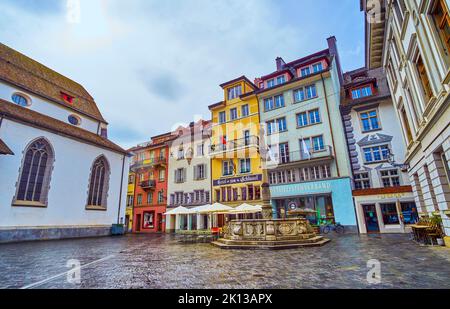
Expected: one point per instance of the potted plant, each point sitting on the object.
(436, 221)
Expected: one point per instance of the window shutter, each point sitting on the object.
(184, 174)
(195, 172)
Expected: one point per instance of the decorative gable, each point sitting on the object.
(375, 139)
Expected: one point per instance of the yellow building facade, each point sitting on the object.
(130, 202)
(235, 161)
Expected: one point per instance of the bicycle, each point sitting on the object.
(338, 228)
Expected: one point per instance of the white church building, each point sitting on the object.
(60, 176)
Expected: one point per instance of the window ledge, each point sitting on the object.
(305, 100)
(376, 162)
(28, 204)
(309, 125)
(370, 131)
(93, 207)
(273, 109)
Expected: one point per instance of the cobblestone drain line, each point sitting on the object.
(50, 279)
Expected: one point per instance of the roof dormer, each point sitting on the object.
(237, 87)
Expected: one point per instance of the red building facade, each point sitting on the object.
(150, 164)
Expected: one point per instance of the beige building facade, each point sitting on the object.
(189, 179)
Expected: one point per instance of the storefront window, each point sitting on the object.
(149, 220)
(409, 212)
(321, 204)
(390, 214)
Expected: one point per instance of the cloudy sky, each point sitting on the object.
(153, 64)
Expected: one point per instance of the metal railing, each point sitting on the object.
(148, 184)
(148, 163)
(250, 141)
(299, 156)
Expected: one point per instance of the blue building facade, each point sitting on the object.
(331, 199)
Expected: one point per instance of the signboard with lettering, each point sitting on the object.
(237, 180)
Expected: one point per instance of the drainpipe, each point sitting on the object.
(331, 126)
(121, 189)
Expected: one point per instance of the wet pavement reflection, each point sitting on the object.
(159, 261)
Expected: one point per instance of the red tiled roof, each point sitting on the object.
(32, 118)
(34, 77)
(276, 73)
(320, 54)
(4, 149)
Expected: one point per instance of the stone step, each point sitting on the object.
(263, 245)
(279, 242)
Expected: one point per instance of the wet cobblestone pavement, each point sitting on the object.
(158, 261)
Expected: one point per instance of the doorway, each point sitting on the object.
(159, 220)
(127, 222)
(371, 218)
(138, 223)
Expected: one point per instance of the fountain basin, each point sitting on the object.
(272, 234)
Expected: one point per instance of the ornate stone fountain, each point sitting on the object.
(269, 233)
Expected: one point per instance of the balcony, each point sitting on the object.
(235, 145)
(148, 184)
(149, 163)
(300, 157)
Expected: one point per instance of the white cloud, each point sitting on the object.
(150, 64)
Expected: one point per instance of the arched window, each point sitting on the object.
(98, 185)
(35, 174)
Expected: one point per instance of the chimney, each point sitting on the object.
(280, 63)
(257, 82)
(332, 46)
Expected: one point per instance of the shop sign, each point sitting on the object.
(301, 189)
(237, 180)
(391, 196)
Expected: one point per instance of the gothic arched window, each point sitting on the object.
(98, 185)
(35, 174)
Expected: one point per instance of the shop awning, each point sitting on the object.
(4, 149)
(246, 208)
(217, 208)
(178, 211)
(207, 209)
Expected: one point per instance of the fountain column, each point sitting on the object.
(267, 212)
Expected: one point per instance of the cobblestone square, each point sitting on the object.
(159, 261)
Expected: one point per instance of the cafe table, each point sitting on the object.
(419, 232)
